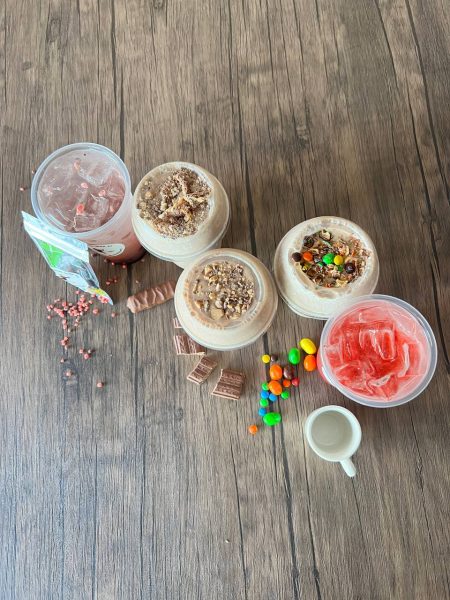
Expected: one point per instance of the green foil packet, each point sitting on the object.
(67, 257)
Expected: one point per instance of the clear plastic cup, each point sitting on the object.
(184, 250)
(379, 351)
(233, 334)
(115, 238)
(304, 297)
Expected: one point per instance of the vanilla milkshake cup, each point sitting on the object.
(226, 299)
(324, 263)
(180, 211)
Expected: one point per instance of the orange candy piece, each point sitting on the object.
(276, 372)
(307, 256)
(275, 387)
(286, 383)
(252, 429)
(310, 363)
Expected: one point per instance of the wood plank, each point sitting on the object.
(150, 487)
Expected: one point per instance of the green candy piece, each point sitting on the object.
(285, 394)
(328, 258)
(272, 418)
(265, 386)
(340, 268)
(264, 402)
(294, 356)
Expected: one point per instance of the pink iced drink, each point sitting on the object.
(377, 350)
(81, 191)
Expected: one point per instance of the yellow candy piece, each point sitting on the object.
(338, 259)
(307, 345)
(265, 358)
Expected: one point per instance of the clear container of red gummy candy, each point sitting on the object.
(379, 351)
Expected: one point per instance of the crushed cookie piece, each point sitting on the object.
(176, 206)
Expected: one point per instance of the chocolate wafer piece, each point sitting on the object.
(157, 294)
(176, 323)
(229, 384)
(202, 370)
(185, 345)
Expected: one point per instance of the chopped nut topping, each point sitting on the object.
(178, 205)
(223, 291)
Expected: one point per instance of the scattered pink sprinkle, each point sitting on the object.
(69, 373)
(137, 281)
(113, 314)
(22, 189)
(101, 193)
(124, 266)
(49, 317)
(100, 384)
(86, 356)
(80, 209)
(95, 311)
(63, 360)
(84, 185)
(113, 263)
(81, 351)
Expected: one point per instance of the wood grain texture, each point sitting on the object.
(150, 488)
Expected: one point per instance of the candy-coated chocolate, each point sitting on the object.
(285, 394)
(273, 398)
(265, 386)
(295, 381)
(308, 346)
(262, 412)
(328, 258)
(252, 429)
(338, 259)
(310, 363)
(288, 372)
(275, 372)
(265, 394)
(294, 356)
(275, 387)
(265, 358)
(264, 402)
(307, 256)
(286, 383)
(272, 419)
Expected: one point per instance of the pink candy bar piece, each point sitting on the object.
(202, 370)
(184, 345)
(176, 323)
(155, 295)
(229, 384)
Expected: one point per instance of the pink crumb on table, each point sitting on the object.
(100, 384)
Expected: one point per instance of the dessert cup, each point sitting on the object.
(185, 249)
(299, 292)
(379, 351)
(74, 174)
(226, 334)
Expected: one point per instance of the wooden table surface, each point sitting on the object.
(150, 488)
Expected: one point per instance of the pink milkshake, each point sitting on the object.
(84, 190)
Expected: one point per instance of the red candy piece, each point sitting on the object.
(295, 381)
(276, 372)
